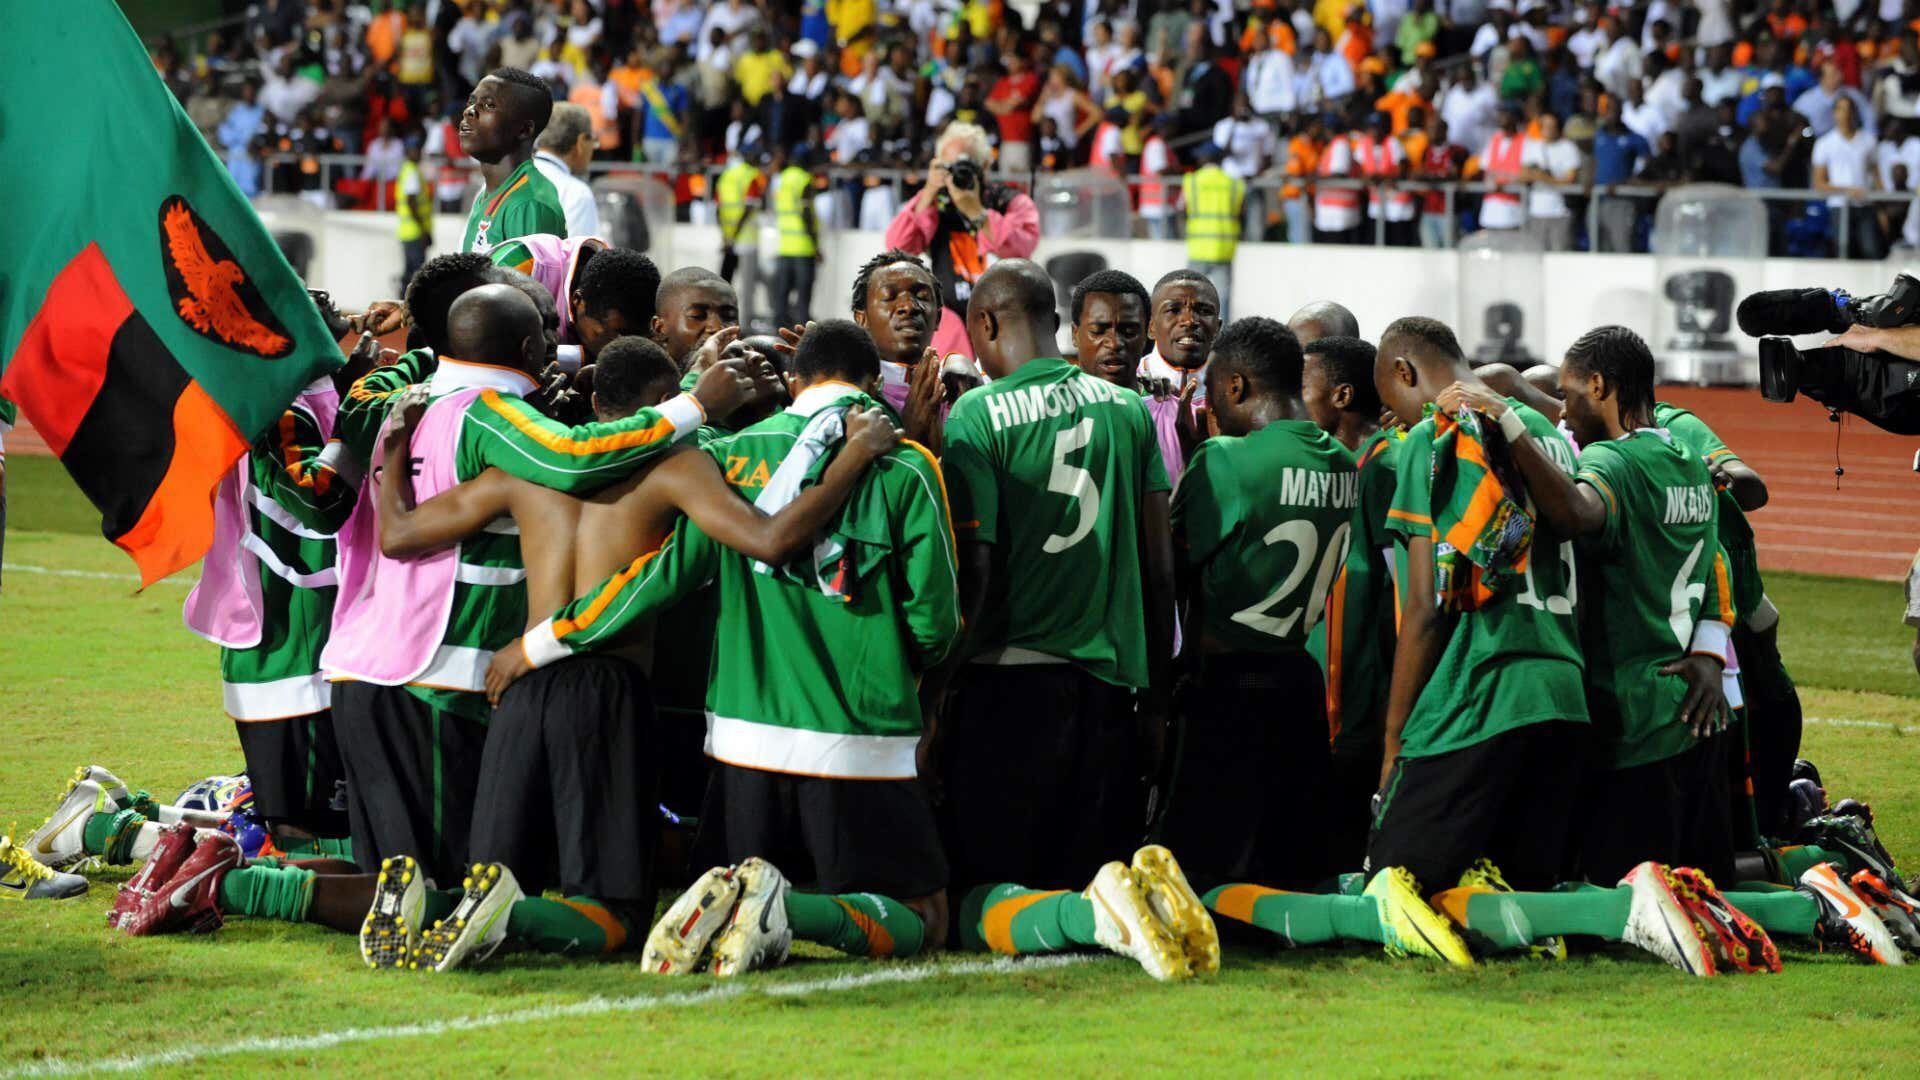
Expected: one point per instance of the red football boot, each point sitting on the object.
(190, 901)
(175, 844)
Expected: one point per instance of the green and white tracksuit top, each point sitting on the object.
(816, 666)
(267, 586)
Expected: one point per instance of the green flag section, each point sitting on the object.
(149, 326)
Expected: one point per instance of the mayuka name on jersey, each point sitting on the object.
(1311, 487)
(1029, 404)
(1692, 505)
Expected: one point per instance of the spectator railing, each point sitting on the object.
(1268, 186)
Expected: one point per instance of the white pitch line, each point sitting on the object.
(97, 575)
(1836, 722)
(596, 1006)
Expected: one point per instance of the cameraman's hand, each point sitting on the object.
(1859, 338)
(937, 177)
(1900, 341)
(965, 201)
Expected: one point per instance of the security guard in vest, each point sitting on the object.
(414, 203)
(738, 194)
(791, 195)
(1213, 201)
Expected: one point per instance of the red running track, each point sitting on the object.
(1868, 527)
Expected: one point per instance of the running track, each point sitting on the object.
(1868, 527)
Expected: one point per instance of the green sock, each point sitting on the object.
(1300, 918)
(268, 892)
(1014, 921)
(319, 847)
(1778, 911)
(859, 924)
(1797, 859)
(110, 835)
(1518, 919)
(577, 924)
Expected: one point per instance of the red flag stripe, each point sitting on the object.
(62, 359)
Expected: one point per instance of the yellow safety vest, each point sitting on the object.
(795, 186)
(736, 215)
(1213, 214)
(416, 211)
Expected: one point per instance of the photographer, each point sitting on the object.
(960, 219)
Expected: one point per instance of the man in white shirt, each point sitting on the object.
(733, 18)
(1269, 80)
(1843, 163)
(1334, 76)
(1544, 161)
(562, 150)
(384, 156)
(1586, 42)
(1719, 79)
(1470, 108)
(1642, 117)
(1492, 34)
(1817, 103)
(1620, 64)
(1895, 153)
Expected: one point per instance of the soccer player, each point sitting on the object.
(693, 304)
(571, 751)
(1486, 719)
(600, 292)
(1643, 507)
(1060, 504)
(1323, 318)
(411, 640)
(1109, 312)
(817, 754)
(1184, 318)
(1261, 522)
(1355, 643)
(896, 299)
(505, 113)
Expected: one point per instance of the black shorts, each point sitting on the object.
(1252, 773)
(1041, 773)
(294, 766)
(570, 782)
(830, 835)
(1353, 776)
(1509, 798)
(412, 772)
(1773, 723)
(1676, 811)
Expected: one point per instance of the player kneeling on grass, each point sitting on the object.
(814, 715)
(572, 751)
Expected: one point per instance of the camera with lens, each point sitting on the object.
(1883, 390)
(965, 173)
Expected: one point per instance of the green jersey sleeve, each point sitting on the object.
(526, 216)
(1411, 512)
(648, 586)
(303, 472)
(9, 414)
(969, 469)
(925, 559)
(364, 408)
(504, 432)
(1153, 465)
(1600, 466)
(513, 255)
(1205, 508)
(1693, 433)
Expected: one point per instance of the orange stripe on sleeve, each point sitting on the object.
(996, 925)
(563, 627)
(1408, 515)
(1724, 587)
(566, 444)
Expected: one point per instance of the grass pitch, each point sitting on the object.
(91, 672)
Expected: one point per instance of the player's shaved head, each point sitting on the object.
(1544, 378)
(685, 279)
(496, 324)
(542, 302)
(1011, 317)
(1323, 318)
(1418, 357)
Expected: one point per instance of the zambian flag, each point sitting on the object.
(149, 326)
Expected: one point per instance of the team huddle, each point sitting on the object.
(923, 652)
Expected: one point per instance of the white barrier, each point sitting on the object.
(357, 259)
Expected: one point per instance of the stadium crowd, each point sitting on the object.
(927, 651)
(1533, 97)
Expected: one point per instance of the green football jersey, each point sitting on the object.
(1355, 643)
(1516, 659)
(526, 203)
(1264, 518)
(1653, 572)
(1736, 533)
(9, 415)
(1051, 466)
